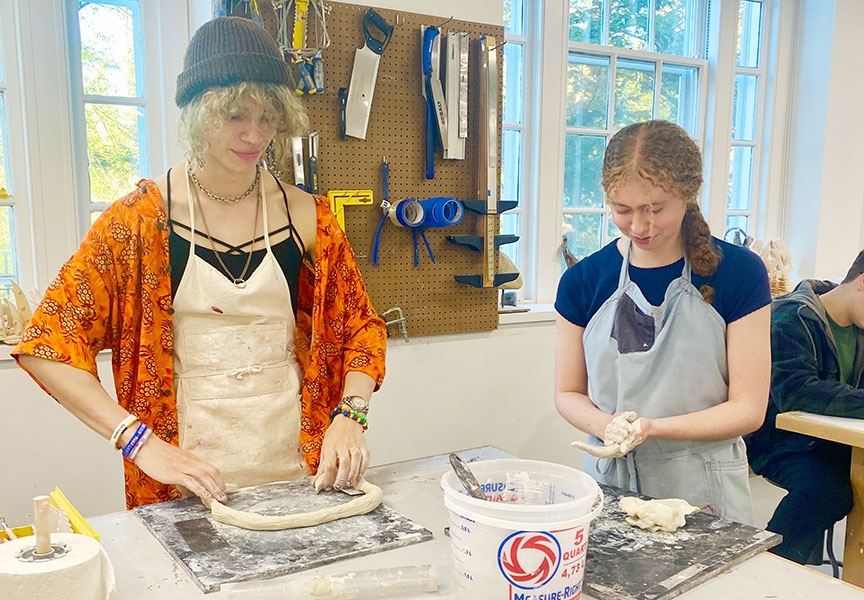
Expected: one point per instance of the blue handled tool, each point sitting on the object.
(385, 208)
(343, 97)
(306, 81)
(433, 92)
(376, 36)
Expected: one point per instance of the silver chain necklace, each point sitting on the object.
(240, 280)
(224, 199)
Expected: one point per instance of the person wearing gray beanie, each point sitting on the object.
(226, 51)
(206, 283)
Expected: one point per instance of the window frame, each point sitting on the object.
(17, 186)
(527, 192)
(79, 100)
(614, 55)
(757, 209)
(546, 220)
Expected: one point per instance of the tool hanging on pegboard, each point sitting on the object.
(416, 215)
(455, 75)
(433, 96)
(488, 207)
(376, 37)
(292, 35)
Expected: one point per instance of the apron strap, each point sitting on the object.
(624, 277)
(191, 213)
(264, 202)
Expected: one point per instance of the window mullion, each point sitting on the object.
(604, 30)
(113, 100)
(652, 11)
(613, 70)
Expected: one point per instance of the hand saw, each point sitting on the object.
(376, 32)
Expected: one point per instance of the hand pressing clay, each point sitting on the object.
(657, 515)
(619, 437)
(361, 505)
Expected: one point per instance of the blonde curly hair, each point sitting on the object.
(211, 109)
(663, 155)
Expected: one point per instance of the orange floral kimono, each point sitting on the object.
(115, 292)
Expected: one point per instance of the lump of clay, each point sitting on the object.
(657, 515)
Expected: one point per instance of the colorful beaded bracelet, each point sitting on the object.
(354, 416)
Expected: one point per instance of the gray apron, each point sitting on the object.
(662, 361)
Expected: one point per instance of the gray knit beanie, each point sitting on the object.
(226, 51)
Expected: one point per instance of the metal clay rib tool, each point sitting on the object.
(466, 477)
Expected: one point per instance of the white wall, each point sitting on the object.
(43, 446)
(825, 207)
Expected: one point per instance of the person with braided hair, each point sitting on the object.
(663, 344)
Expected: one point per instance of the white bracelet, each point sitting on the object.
(123, 426)
(146, 436)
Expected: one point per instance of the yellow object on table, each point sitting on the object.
(60, 502)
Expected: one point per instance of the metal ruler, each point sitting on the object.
(488, 168)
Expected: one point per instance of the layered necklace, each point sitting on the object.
(240, 280)
(224, 199)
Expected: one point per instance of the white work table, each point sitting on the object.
(145, 570)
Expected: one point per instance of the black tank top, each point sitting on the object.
(289, 252)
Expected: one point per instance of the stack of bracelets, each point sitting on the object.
(354, 416)
(141, 435)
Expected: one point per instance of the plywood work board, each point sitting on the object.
(628, 563)
(429, 296)
(212, 553)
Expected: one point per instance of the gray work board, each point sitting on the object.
(628, 563)
(213, 553)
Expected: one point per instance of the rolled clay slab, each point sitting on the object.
(360, 505)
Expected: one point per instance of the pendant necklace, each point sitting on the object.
(239, 281)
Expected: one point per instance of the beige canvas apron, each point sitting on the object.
(236, 374)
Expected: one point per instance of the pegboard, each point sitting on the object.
(432, 301)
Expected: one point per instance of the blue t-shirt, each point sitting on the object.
(740, 283)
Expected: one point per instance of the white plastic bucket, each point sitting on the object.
(530, 541)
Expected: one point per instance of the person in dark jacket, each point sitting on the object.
(817, 346)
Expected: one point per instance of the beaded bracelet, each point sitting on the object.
(123, 426)
(136, 437)
(354, 416)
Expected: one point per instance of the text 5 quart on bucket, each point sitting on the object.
(529, 539)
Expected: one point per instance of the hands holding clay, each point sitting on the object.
(623, 433)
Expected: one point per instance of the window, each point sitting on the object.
(514, 121)
(8, 244)
(741, 209)
(603, 64)
(13, 201)
(109, 102)
(627, 61)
